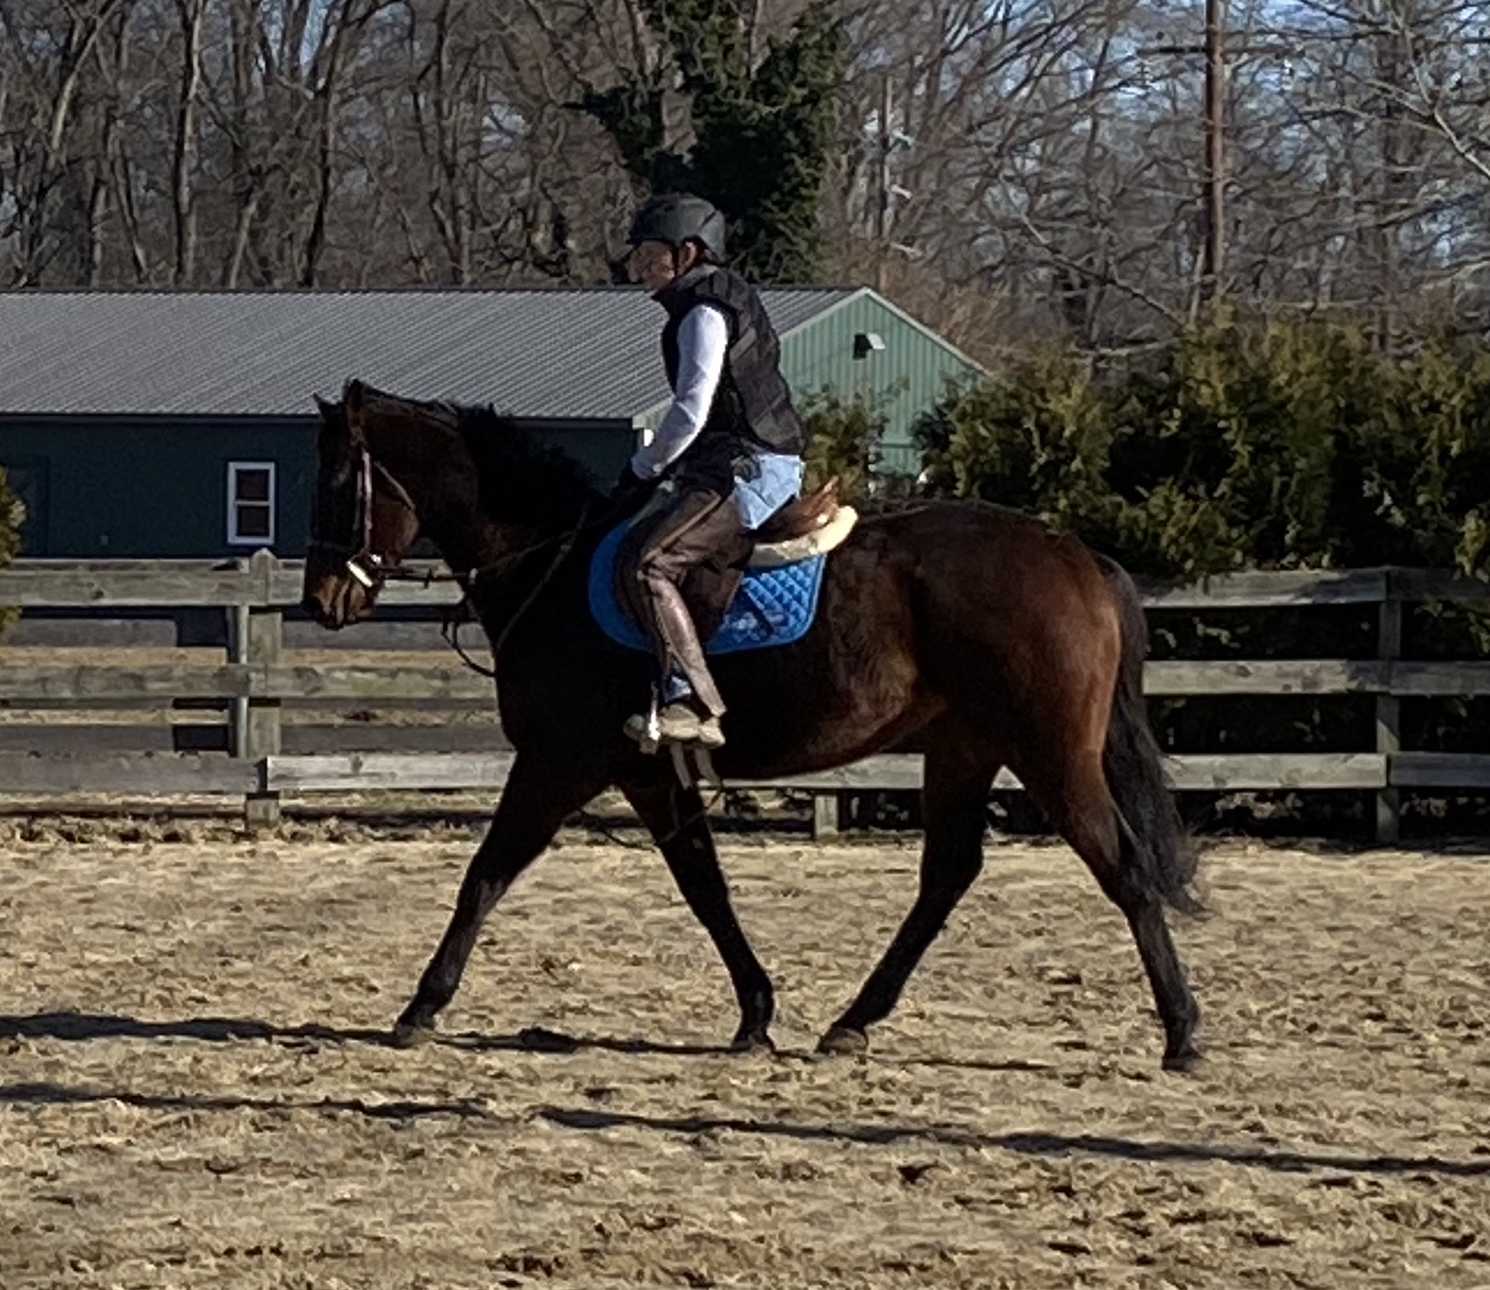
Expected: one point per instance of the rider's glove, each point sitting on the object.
(631, 489)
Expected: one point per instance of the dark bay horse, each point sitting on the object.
(971, 635)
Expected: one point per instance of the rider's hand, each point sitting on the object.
(631, 489)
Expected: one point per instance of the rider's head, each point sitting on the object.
(672, 233)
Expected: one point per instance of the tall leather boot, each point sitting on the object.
(691, 717)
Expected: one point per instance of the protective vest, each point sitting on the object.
(753, 401)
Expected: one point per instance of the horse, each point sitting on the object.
(972, 635)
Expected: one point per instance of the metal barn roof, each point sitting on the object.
(587, 353)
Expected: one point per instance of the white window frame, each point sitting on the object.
(234, 469)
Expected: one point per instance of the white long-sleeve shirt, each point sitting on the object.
(703, 339)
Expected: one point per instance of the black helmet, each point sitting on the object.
(674, 218)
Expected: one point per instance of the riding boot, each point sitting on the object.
(700, 524)
(679, 722)
(691, 710)
(680, 644)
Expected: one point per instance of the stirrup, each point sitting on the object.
(694, 767)
(683, 726)
(646, 729)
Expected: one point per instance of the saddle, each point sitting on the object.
(811, 525)
(803, 529)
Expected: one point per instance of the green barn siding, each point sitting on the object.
(908, 376)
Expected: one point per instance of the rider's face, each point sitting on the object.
(655, 264)
(652, 265)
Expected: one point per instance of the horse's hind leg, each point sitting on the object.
(678, 820)
(1081, 808)
(538, 795)
(955, 814)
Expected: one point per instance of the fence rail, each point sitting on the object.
(257, 679)
(63, 683)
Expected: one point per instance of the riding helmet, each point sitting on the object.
(674, 218)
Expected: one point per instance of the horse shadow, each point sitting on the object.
(1328, 1168)
(82, 1027)
(1054, 1145)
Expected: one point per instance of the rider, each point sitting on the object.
(731, 442)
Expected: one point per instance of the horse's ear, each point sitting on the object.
(352, 398)
(327, 409)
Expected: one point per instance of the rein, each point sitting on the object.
(450, 631)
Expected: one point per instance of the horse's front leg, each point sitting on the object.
(541, 791)
(678, 821)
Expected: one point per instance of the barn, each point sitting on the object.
(142, 425)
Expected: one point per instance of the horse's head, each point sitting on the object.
(364, 521)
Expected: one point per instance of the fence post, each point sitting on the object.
(1388, 710)
(258, 640)
(824, 815)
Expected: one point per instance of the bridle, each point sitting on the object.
(372, 570)
(367, 566)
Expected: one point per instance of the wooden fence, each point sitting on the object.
(258, 677)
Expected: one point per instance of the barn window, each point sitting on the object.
(251, 502)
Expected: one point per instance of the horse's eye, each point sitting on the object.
(337, 471)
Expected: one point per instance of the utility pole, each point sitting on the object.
(1212, 276)
(1213, 253)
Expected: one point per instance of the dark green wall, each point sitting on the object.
(602, 446)
(156, 487)
(138, 487)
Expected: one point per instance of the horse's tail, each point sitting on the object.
(1157, 852)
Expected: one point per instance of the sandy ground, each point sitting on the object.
(192, 1093)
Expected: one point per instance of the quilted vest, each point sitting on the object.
(753, 402)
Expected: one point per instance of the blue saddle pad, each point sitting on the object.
(772, 606)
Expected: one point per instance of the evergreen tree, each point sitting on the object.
(762, 134)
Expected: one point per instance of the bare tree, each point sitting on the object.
(1393, 98)
(49, 52)
(1009, 168)
(192, 14)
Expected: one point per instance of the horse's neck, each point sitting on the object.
(480, 544)
(474, 543)
(494, 550)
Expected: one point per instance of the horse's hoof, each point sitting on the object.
(752, 1041)
(1186, 1061)
(843, 1041)
(410, 1034)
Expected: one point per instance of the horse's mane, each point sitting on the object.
(522, 479)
